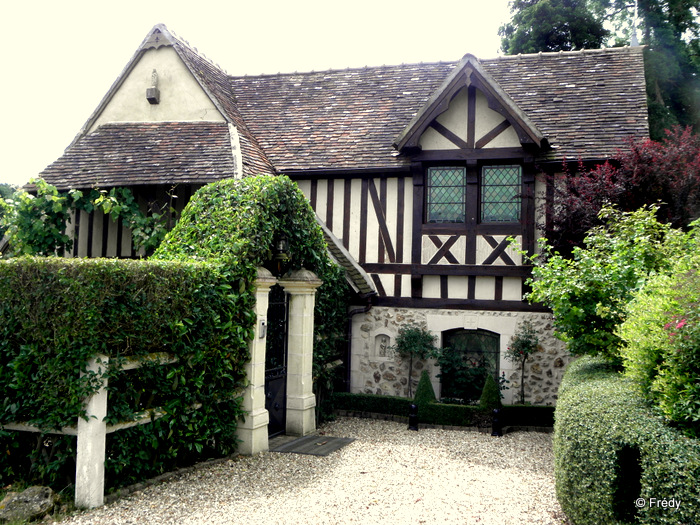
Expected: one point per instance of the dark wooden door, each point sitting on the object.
(276, 361)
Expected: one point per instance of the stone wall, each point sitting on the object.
(377, 369)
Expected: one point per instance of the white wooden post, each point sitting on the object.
(252, 430)
(90, 460)
(301, 401)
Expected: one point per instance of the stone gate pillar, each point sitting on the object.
(301, 286)
(253, 431)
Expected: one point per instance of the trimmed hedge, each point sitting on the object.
(57, 313)
(610, 449)
(444, 413)
(390, 405)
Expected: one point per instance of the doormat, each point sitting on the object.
(313, 445)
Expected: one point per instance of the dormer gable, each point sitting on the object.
(167, 80)
(158, 84)
(469, 111)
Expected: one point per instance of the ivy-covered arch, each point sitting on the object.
(239, 223)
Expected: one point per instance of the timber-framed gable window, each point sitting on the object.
(501, 193)
(446, 194)
(498, 198)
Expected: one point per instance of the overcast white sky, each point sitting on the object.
(60, 57)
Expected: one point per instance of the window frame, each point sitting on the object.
(518, 196)
(472, 198)
(429, 186)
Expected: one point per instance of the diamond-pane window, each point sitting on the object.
(446, 194)
(500, 193)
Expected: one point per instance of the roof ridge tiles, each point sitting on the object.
(591, 51)
(346, 69)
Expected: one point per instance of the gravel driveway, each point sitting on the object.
(387, 475)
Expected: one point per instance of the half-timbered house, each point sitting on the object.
(419, 173)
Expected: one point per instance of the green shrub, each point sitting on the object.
(424, 392)
(452, 415)
(662, 336)
(490, 396)
(57, 313)
(35, 224)
(588, 293)
(444, 413)
(610, 449)
(373, 403)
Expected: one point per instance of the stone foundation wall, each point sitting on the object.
(377, 369)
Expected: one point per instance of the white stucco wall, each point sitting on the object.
(456, 119)
(181, 96)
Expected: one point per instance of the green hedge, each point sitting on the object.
(57, 313)
(610, 450)
(390, 405)
(444, 413)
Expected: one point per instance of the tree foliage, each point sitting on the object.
(666, 174)
(588, 292)
(6, 192)
(551, 25)
(670, 29)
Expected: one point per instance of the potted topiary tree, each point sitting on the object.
(522, 345)
(414, 342)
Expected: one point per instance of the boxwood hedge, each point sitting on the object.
(615, 460)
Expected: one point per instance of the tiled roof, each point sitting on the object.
(335, 119)
(126, 154)
(354, 274)
(586, 103)
(217, 83)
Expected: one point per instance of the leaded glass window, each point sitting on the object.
(446, 194)
(500, 193)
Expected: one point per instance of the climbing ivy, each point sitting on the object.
(239, 224)
(36, 221)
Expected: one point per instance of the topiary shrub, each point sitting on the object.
(424, 391)
(615, 460)
(490, 395)
(414, 342)
(522, 345)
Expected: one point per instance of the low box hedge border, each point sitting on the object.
(615, 460)
(443, 414)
